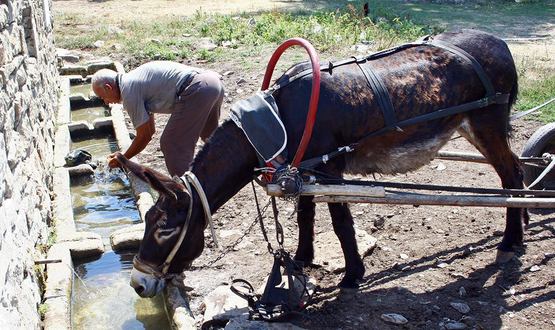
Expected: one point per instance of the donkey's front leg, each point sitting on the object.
(305, 220)
(343, 227)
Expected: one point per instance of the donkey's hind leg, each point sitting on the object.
(487, 130)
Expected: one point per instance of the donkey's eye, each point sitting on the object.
(161, 223)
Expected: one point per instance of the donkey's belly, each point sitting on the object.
(394, 158)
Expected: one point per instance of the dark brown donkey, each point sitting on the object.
(420, 79)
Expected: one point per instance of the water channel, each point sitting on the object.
(102, 297)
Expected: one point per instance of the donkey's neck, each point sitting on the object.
(225, 164)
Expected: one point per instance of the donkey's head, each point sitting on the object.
(172, 237)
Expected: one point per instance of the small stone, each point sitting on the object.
(227, 43)
(240, 81)
(462, 291)
(403, 256)
(379, 222)
(206, 44)
(98, 44)
(228, 73)
(442, 265)
(114, 30)
(317, 28)
(535, 268)
(394, 318)
(439, 167)
(361, 48)
(460, 307)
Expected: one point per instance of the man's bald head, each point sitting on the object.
(104, 84)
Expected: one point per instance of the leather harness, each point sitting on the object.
(375, 82)
(382, 95)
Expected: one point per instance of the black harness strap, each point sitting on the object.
(381, 93)
(466, 56)
(384, 99)
(491, 97)
(330, 65)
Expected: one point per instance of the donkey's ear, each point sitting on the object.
(158, 185)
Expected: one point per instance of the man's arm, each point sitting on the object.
(144, 135)
(141, 140)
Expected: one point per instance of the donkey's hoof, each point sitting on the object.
(348, 283)
(504, 256)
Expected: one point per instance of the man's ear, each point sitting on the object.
(108, 87)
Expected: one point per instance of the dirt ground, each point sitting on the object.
(426, 257)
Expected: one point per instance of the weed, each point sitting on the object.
(43, 308)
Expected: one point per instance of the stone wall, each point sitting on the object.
(28, 102)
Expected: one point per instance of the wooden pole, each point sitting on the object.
(478, 158)
(331, 190)
(451, 200)
(461, 156)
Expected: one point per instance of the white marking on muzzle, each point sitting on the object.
(146, 285)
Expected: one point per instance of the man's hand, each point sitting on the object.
(112, 160)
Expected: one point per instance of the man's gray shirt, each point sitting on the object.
(152, 88)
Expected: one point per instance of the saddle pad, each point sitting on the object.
(258, 118)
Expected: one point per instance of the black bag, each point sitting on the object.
(77, 157)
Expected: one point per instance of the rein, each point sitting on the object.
(190, 181)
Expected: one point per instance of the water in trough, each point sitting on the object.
(99, 146)
(90, 113)
(84, 88)
(102, 297)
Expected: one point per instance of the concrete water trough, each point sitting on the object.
(87, 285)
(87, 109)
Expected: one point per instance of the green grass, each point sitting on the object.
(242, 38)
(534, 93)
(178, 38)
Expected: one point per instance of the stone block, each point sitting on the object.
(77, 99)
(67, 55)
(103, 123)
(4, 16)
(222, 304)
(83, 244)
(3, 57)
(80, 170)
(21, 76)
(13, 149)
(128, 238)
(74, 70)
(74, 79)
(177, 306)
(78, 128)
(94, 66)
(58, 289)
